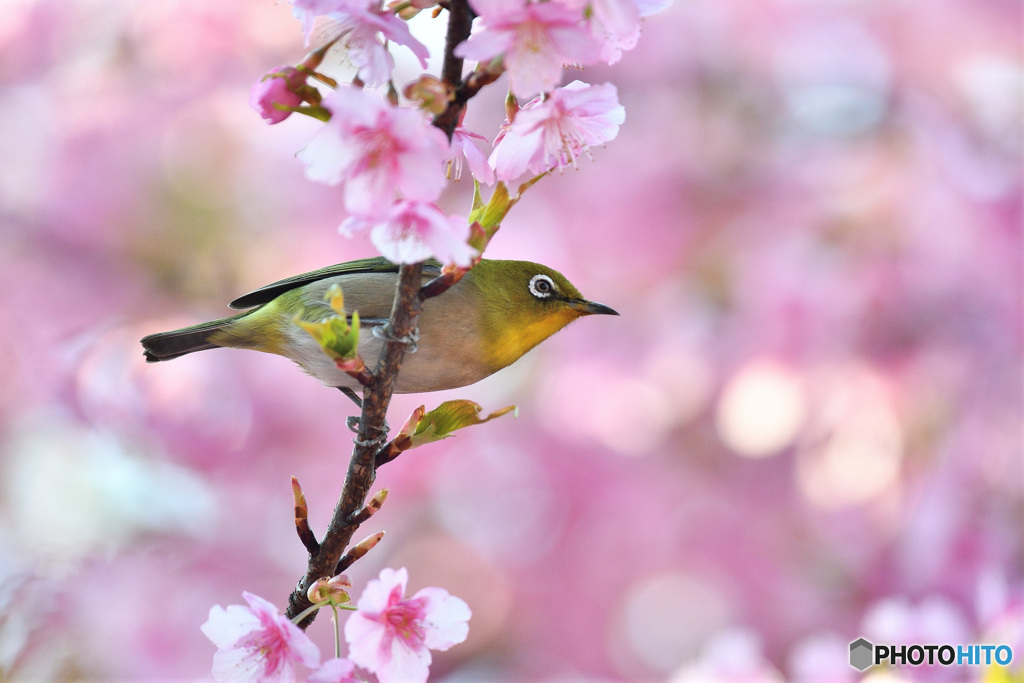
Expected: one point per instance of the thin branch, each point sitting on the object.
(440, 284)
(392, 449)
(460, 25)
(476, 80)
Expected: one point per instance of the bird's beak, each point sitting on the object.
(591, 307)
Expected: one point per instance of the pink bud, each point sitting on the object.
(273, 96)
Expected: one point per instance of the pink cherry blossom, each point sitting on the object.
(376, 150)
(616, 24)
(358, 23)
(306, 11)
(553, 132)
(257, 643)
(463, 146)
(392, 635)
(537, 39)
(335, 671)
(412, 231)
(273, 96)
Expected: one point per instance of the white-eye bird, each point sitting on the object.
(486, 321)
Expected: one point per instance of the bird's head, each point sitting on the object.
(523, 304)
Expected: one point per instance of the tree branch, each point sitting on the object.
(460, 24)
(372, 429)
(379, 387)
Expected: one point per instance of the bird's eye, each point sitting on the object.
(541, 286)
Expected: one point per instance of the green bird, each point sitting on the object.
(486, 321)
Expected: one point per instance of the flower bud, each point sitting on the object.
(431, 92)
(274, 96)
(367, 544)
(333, 590)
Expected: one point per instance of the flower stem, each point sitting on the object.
(306, 612)
(337, 632)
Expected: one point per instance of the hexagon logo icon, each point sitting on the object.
(861, 654)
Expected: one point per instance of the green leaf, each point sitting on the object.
(440, 422)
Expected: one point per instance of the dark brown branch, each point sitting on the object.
(392, 449)
(357, 371)
(460, 24)
(475, 81)
(329, 558)
(362, 469)
(440, 284)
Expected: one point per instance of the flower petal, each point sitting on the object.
(404, 664)
(338, 670)
(225, 627)
(377, 592)
(235, 665)
(327, 157)
(447, 618)
(365, 638)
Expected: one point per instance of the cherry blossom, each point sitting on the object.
(306, 11)
(463, 146)
(553, 132)
(411, 231)
(616, 24)
(357, 25)
(376, 150)
(335, 671)
(536, 39)
(392, 635)
(257, 643)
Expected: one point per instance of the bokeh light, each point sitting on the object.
(762, 409)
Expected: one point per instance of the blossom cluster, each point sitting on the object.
(392, 163)
(388, 634)
(823, 245)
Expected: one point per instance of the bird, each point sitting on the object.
(498, 311)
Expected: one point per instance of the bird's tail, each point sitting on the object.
(168, 345)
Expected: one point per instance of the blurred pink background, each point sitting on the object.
(804, 428)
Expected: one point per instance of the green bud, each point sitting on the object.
(336, 336)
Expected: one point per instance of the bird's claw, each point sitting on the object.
(354, 423)
(410, 340)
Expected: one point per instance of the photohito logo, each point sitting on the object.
(864, 654)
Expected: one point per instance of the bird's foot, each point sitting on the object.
(354, 423)
(410, 340)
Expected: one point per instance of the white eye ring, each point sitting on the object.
(542, 287)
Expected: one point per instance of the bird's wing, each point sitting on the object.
(377, 264)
